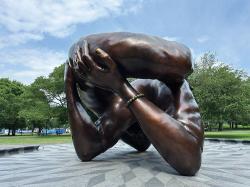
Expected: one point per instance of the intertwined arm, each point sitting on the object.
(92, 139)
(178, 139)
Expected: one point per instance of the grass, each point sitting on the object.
(53, 139)
(28, 139)
(229, 134)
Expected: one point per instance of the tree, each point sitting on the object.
(44, 102)
(53, 89)
(219, 90)
(244, 117)
(10, 92)
(35, 107)
(53, 86)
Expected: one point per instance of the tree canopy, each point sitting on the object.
(39, 105)
(221, 91)
(10, 92)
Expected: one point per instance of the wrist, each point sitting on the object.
(126, 91)
(130, 101)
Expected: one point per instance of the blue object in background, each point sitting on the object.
(53, 131)
(60, 131)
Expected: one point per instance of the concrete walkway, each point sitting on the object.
(224, 164)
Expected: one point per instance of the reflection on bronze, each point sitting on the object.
(167, 116)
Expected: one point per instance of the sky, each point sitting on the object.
(35, 35)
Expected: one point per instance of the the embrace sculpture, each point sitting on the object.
(158, 107)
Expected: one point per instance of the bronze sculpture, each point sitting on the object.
(158, 107)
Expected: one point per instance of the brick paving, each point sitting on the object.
(223, 164)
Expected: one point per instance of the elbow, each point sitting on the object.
(185, 165)
(189, 169)
(85, 157)
(186, 63)
(191, 165)
(87, 152)
(188, 66)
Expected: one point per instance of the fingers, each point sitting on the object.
(82, 60)
(78, 53)
(77, 59)
(85, 48)
(74, 62)
(68, 63)
(82, 75)
(86, 57)
(106, 58)
(68, 76)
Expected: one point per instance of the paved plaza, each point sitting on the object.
(224, 164)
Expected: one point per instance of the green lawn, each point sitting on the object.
(230, 134)
(28, 139)
(53, 139)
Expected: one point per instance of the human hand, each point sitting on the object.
(86, 69)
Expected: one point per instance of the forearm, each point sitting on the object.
(86, 138)
(147, 113)
(92, 139)
(156, 58)
(89, 137)
(168, 135)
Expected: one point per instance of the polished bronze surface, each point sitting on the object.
(168, 115)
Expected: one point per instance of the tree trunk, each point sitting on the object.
(8, 131)
(39, 131)
(220, 126)
(13, 132)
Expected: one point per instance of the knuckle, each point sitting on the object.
(105, 55)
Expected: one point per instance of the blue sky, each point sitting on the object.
(35, 35)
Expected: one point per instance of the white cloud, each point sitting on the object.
(26, 64)
(18, 38)
(26, 20)
(202, 39)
